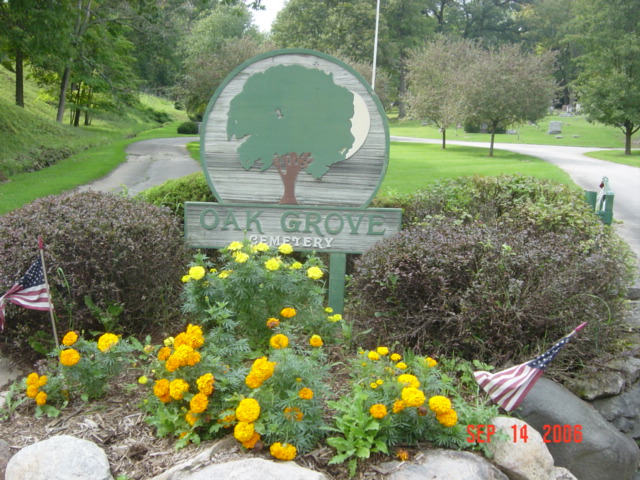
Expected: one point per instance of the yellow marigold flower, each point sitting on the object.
(402, 454)
(398, 406)
(260, 247)
(285, 249)
(205, 383)
(225, 273)
(380, 381)
(106, 341)
(240, 257)
(177, 388)
(169, 341)
(288, 312)
(448, 418)
(382, 351)
(193, 358)
(190, 418)
(172, 363)
(314, 273)
(227, 420)
(334, 318)
(373, 356)
(316, 341)
(328, 310)
(430, 362)
(439, 404)
(283, 451)
(32, 391)
(243, 431)
(69, 357)
(233, 246)
(413, 397)
(70, 338)
(373, 385)
(197, 272)
(42, 381)
(41, 398)
(199, 403)
(409, 380)
(253, 381)
(378, 411)
(191, 337)
(249, 444)
(273, 264)
(401, 365)
(185, 278)
(164, 353)
(161, 390)
(296, 266)
(279, 341)
(32, 379)
(293, 413)
(248, 410)
(305, 393)
(263, 368)
(273, 322)
(143, 380)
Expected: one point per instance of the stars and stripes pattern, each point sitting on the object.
(29, 292)
(509, 387)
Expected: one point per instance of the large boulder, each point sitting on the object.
(600, 452)
(59, 458)
(256, 468)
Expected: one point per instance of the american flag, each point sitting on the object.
(509, 387)
(30, 291)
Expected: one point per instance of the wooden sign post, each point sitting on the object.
(294, 145)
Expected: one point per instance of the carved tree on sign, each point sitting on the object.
(295, 118)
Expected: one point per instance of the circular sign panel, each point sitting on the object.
(295, 127)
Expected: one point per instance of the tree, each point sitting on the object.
(295, 118)
(436, 81)
(609, 83)
(506, 87)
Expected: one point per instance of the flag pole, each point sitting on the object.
(46, 283)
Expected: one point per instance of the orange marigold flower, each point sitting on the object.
(293, 413)
(398, 406)
(248, 410)
(279, 341)
(177, 388)
(288, 312)
(190, 418)
(253, 381)
(448, 418)
(70, 338)
(161, 390)
(205, 384)
(199, 403)
(283, 451)
(164, 353)
(305, 393)
(378, 411)
(106, 341)
(32, 379)
(249, 444)
(69, 357)
(243, 431)
(32, 391)
(41, 398)
(402, 454)
(273, 322)
(316, 341)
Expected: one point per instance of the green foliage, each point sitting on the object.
(174, 193)
(188, 128)
(100, 246)
(495, 269)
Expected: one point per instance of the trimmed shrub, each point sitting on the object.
(109, 248)
(173, 193)
(494, 270)
(188, 128)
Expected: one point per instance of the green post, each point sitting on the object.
(591, 197)
(337, 271)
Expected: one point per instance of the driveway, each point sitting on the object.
(586, 172)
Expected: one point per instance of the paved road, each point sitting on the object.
(587, 173)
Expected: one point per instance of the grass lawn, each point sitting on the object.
(415, 165)
(617, 156)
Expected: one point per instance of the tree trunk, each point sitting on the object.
(64, 84)
(493, 136)
(19, 78)
(402, 90)
(289, 166)
(444, 138)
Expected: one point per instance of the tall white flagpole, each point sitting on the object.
(375, 46)
(46, 282)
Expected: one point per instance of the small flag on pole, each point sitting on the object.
(31, 291)
(509, 387)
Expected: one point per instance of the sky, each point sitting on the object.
(265, 18)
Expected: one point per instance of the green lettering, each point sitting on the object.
(327, 225)
(203, 219)
(253, 218)
(230, 220)
(376, 221)
(354, 228)
(290, 225)
(312, 219)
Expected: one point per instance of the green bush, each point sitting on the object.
(174, 193)
(111, 249)
(494, 269)
(188, 128)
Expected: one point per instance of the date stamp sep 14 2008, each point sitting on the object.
(483, 433)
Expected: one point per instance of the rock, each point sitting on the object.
(633, 293)
(603, 383)
(256, 468)
(554, 128)
(446, 465)
(623, 410)
(521, 460)
(628, 366)
(59, 458)
(602, 452)
(5, 455)
(563, 474)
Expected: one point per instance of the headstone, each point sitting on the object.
(555, 128)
